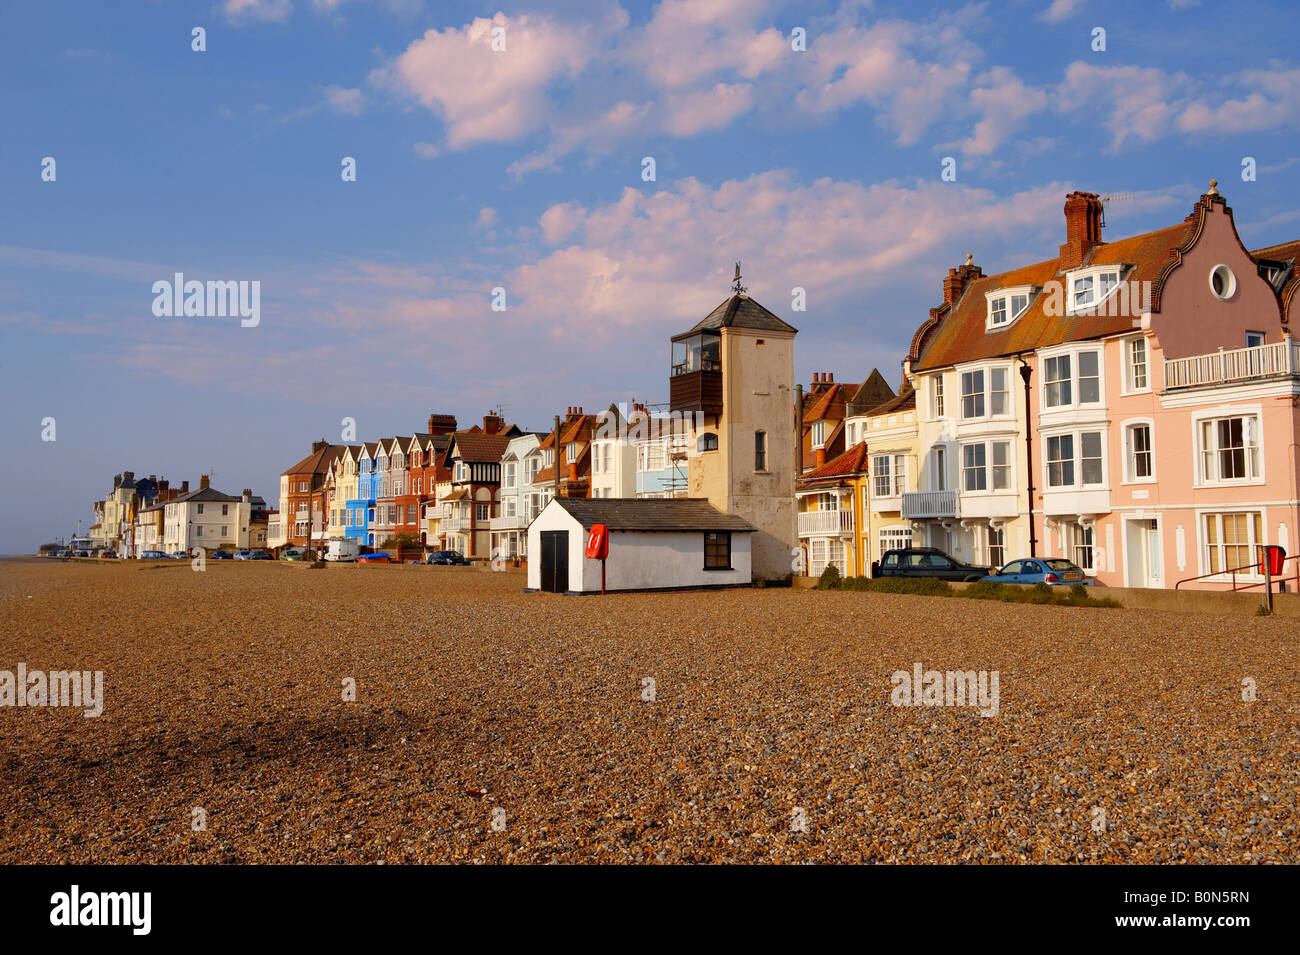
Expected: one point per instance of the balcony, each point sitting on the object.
(437, 512)
(454, 524)
(826, 523)
(924, 505)
(1278, 360)
(511, 522)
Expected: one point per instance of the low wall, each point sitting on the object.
(1190, 601)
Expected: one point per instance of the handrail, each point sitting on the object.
(1254, 567)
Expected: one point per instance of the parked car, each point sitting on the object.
(342, 549)
(63, 552)
(297, 553)
(81, 553)
(243, 555)
(379, 558)
(180, 555)
(446, 557)
(152, 555)
(259, 555)
(219, 555)
(924, 562)
(1040, 570)
(107, 554)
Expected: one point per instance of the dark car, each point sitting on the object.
(924, 562)
(220, 555)
(258, 555)
(107, 554)
(446, 557)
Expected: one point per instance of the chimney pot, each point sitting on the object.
(1082, 228)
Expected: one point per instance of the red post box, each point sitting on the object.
(1272, 557)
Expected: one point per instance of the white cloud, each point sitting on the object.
(1004, 103)
(484, 95)
(343, 100)
(1061, 10)
(276, 11)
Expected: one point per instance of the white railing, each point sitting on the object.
(452, 524)
(437, 512)
(508, 522)
(929, 504)
(1280, 359)
(814, 523)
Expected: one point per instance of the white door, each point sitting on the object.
(1143, 541)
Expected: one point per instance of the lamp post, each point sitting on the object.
(1025, 374)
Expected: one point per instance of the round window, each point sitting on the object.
(1222, 282)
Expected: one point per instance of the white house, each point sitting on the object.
(654, 544)
(613, 456)
(208, 519)
(519, 497)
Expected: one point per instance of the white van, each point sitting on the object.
(343, 549)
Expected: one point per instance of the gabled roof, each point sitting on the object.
(741, 311)
(651, 514)
(853, 461)
(579, 429)
(479, 448)
(318, 462)
(871, 393)
(204, 496)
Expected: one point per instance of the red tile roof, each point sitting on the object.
(318, 462)
(957, 334)
(853, 461)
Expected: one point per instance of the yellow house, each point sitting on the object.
(893, 447)
(830, 501)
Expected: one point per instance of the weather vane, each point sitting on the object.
(735, 284)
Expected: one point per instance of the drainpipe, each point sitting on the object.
(798, 431)
(1025, 373)
(555, 454)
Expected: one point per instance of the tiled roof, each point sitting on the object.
(956, 335)
(831, 399)
(741, 311)
(579, 429)
(318, 462)
(204, 496)
(651, 514)
(903, 401)
(481, 448)
(852, 461)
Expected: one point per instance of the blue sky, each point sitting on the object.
(522, 169)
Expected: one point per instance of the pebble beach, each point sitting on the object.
(745, 726)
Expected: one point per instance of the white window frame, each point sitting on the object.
(1075, 379)
(937, 408)
(1254, 464)
(1076, 460)
(1203, 548)
(1126, 432)
(1002, 300)
(818, 434)
(1094, 275)
(1127, 351)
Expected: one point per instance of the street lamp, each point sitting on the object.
(1025, 374)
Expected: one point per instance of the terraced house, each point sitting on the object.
(474, 459)
(1141, 393)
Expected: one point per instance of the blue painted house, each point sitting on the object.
(361, 509)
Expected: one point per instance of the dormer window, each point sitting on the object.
(1005, 305)
(1090, 287)
(818, 434)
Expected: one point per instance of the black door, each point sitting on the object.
(555, 561)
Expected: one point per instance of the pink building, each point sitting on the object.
(1163, 398)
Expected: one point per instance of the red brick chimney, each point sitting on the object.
(492, 423)
(958, 279)
(819, 457)
(441, 424)
(185, 487)
(1082, 228)
(318, 445)
(203, 482)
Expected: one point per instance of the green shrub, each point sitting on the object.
(830, 578)
(987, 590)
(1078, 591)
(925, 586)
